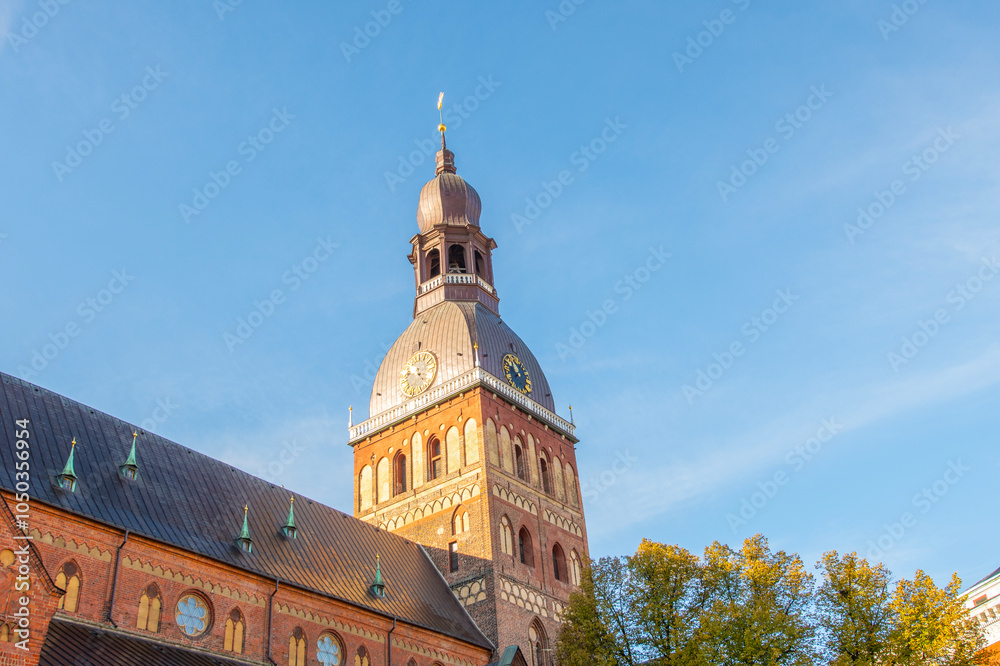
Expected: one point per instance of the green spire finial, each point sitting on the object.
(378, 587)
(244, 539)
(291, 513)
(131, 455)
(68, 469)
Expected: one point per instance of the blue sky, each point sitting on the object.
(789, 369)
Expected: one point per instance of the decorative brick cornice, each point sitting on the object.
(471, 591)
(285, 609)
(431, 507)
(157, 571)
(434, 655)
(567, 524)
(71, 545)
(511, 497)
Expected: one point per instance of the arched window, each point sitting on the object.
(150, 603)
(471, 442)
(456, 259)
(506, 536)
(492, 452)
(329, 650)
(297, 648)
(574, 567)
(519, 462)
(571, 492)
(361, 658)
(558, 563)
(480, 264)
(383, 483)
(365, 488)
(435, 463)
(235, 628)
(8, 634)
(399, 472)
(433, 264)
(539, 644)
(505, 460)
(453, 448)
(524, 547)
(460, 521)
(557, 479)
(543, 469)
(68, 579)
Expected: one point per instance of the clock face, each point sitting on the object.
(516, 373)
(418, 373)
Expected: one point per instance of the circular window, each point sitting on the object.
(328, 650)
(193, 615)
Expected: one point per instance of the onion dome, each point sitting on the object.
(447, 198)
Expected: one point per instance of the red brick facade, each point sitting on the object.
(60, 537)
(502, 594)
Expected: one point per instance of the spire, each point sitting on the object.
(475, 348)
(571, 415)
(289, 527)
(244, 539)
(350, 416)
(378, 587)
(445, 158)
(67, 478)
(130, 469)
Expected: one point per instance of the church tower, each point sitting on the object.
(463, 451)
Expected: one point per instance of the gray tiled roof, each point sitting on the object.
(195, 503)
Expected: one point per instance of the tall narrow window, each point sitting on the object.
(453, 557)
(435, 463)
(297, 648)
(433, 264)
(399, 471)
(480, 264)
(460, 521)
(543, 468)
(519, 462)
(558, 563)
(539, 644)
(524, 547)
(506, 536)
(148, 617)
(68, 579)
(8, 634)
(234, 632)
(361, 658)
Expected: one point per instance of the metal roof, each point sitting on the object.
(71, 644)
(195, 503)
(449, 330)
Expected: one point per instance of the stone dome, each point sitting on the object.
(448, 199)
(449, 330)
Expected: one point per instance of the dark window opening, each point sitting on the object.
(524, 547)
(558, 563)
(453, 557)
(433, 264)
(543, 468)
(434, 462)
(519, 463)
(400, 473)
(480, 264)
(456, 259)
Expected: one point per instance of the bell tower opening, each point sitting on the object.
(456, 259)
(433, 263)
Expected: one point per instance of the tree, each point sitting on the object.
(760, 607)
(854, 610)
(597, 628)
(932, 625)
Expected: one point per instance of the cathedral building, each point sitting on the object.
(118, 546)
(463, 451)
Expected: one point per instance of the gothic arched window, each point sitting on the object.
(235, 628)
(435, 463)
(399, 471)
(68, 579)
(574, 567)
(519, 462)
(543, 468)
(539, 644)
(460, 521)
(524, 547)
(297, 648)
(150, 603)
(506, 536)
(558, 563)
